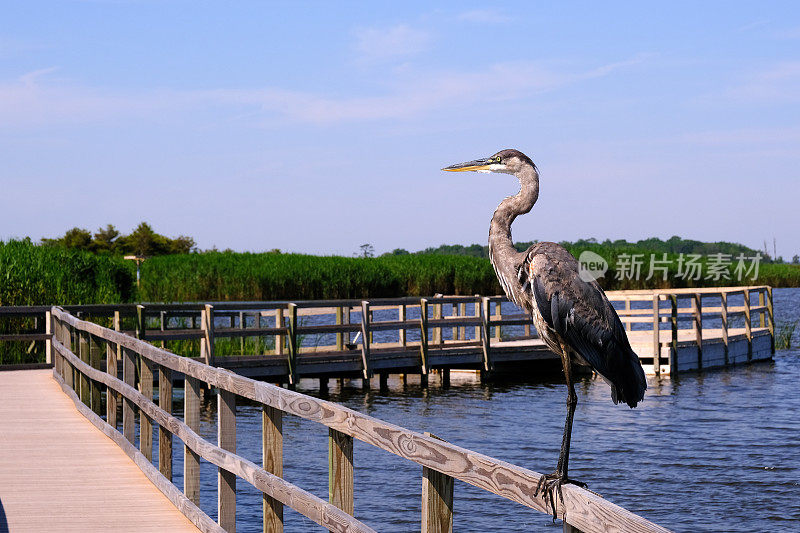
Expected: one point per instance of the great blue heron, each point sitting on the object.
(573, 316)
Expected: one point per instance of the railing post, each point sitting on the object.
(748, 328)
(272, 461)
(226, 435)
(83, 353)
(697, 312)
(55, 335)
(762, 313)
(339, 335)
(724, 316)
(48, 344)
(656, 336)
(365, 339)
(242, 326)
(164, 436)
(161, 318)
(279, 338)
(207, 341)
(673, 354)
(346, 320)
(340, 470)
(141, 323)
(111, 396)
(628, 323)
(191, 461)
(146, 368)
(95, 350)
(423, 335)
(437, 500)
(488, 366)
(293, 348)
(129, 377)
(498, 315)
(462, 331)
(437, 331)
(401, 333)
(69, 372)
(771, 318)
(478, 315)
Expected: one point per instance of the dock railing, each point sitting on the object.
(688, 312)
(427, 326)
(77, 347)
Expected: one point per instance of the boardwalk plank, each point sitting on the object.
(61, 474)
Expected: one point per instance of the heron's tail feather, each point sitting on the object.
(630, 384)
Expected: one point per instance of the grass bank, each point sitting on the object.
(40, 275)
(247, 276)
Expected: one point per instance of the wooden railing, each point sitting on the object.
(438, 322)
(701, 306)
(77, 348)
(423, 325)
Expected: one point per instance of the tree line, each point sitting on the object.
(142, 241)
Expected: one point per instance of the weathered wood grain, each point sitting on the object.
(191, 461)
(272, 462)
(164, 436)
(129, 376)
(226, 439)
(340, 471)
(146, 370)
(437, 500)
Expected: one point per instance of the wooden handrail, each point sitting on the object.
(583, 509)
(303, 502)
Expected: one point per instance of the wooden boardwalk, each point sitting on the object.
(59, 473)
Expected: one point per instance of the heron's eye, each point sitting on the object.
(497, 159)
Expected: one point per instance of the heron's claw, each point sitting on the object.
(550, 485)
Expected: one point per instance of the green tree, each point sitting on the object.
(105, 239)
(78, 238)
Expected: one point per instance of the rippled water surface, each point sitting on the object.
(715, 451)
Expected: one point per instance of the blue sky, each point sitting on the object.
(313, 128)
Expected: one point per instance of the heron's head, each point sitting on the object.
(505, 161)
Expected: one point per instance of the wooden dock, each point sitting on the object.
(58, 473)
(282, 342)
(441, 463)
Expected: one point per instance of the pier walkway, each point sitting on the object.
(59, 473)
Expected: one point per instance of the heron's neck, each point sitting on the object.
(500, 228)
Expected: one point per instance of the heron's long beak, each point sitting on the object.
(478, 164)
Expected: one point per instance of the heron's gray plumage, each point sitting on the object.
(545, 281)
(572, 316)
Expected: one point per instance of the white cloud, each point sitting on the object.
(777, 84)
(382, 44)
(484, 16)
(35, 99)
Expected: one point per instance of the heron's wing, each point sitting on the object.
(581, 314)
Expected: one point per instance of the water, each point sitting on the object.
(715, 451)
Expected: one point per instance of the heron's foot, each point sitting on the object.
(549, 487)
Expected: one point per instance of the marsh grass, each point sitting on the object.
(784, 334)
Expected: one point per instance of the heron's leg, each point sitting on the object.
(572, 402)
(550, 485)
